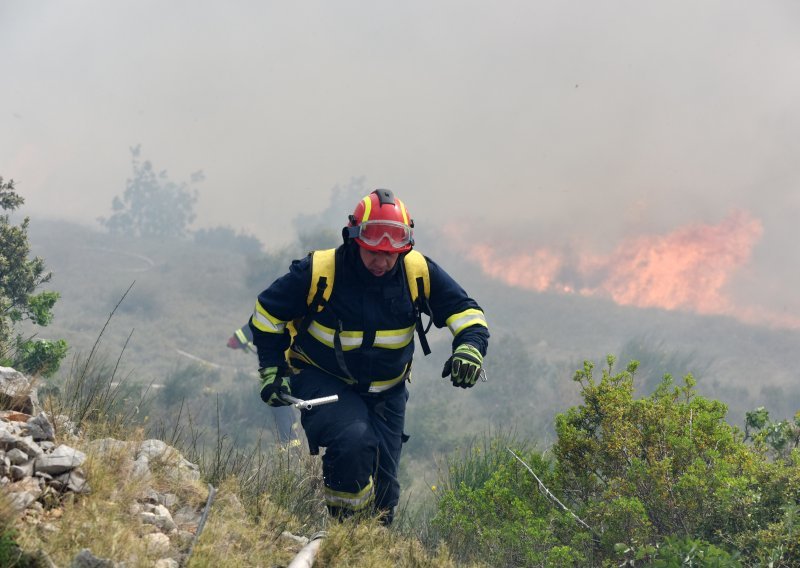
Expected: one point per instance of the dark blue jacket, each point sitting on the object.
(376, 316)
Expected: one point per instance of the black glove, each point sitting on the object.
(464, 366)
(273, 385)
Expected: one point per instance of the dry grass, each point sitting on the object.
(103, 521)
(233, 538)
(367, 544)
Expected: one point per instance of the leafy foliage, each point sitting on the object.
(674, 552)
(781, 437)
(40, 356)
(19, 279)
(659, 481)
(152, 205)
(490, 510)
(668, 464)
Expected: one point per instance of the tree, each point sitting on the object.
(19, 279)
(152, 205)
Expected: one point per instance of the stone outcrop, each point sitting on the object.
(17, 393)
(37, 472)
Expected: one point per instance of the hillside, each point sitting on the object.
(183, 386)
(187, 299)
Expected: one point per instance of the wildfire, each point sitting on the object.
(687, 269)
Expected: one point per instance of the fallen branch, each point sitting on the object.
(546, 492)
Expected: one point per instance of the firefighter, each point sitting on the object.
(284, 417)
(358, 342)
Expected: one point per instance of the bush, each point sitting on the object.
(490, 509)
(644, 470)
(20, 277)
(680, 551)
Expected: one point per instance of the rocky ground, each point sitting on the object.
(40, 471)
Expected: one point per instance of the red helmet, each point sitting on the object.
(381, 223)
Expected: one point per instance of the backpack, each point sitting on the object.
(323, 272)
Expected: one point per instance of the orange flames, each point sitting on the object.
(687, 269)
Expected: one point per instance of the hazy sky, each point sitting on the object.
(550, 121)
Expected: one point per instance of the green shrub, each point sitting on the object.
(645, 470)
(675, 552)
(40, 356)
(490, 509)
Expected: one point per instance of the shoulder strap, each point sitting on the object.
(419, 286)
(323, 267)
(417, 267)
(323, 270)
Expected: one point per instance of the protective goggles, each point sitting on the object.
(372, 233)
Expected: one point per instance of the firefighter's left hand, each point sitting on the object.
(464, 367)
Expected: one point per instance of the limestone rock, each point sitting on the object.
(17, 393)
(63, 458)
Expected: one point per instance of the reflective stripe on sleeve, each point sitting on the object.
(266, 322)
(394, 338)
(458, 322)
(352, 501)
(241, 337)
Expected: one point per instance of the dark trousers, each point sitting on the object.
(362, 435)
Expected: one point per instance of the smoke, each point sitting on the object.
(690, 268)
(564, 120)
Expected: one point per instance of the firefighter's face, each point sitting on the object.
(378, 262)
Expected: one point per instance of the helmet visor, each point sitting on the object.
(372, 233)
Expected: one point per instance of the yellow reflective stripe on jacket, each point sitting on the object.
(266, 322)
(350, 339)
(394, 338)
(380, 386)
(458, 322)
(388, 339)
(352, 501)
(375, 386)
(295, 354)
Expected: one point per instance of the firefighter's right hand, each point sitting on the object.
(273, 385)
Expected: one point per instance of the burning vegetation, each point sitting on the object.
(688, 269)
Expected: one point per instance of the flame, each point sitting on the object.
(687, 269)
(536, 271)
